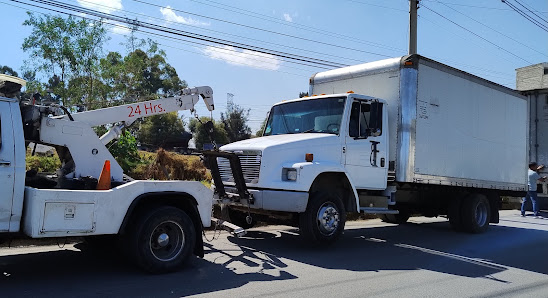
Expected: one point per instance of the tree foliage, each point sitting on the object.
(201, 136)
(125, 151)
(67, 52)
(8, 70)
(166, 131)
(235, 123)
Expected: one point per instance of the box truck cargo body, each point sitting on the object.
(446, 126)
(395, 137)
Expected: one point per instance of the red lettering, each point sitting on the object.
(160, 108)
(138, 110)
(131, 112)
(149, 108)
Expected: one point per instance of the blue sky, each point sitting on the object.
(485, 38)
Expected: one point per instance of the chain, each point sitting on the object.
(209, 132)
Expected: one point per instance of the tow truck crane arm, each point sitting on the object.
(86, 152)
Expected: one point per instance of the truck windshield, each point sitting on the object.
(321, 115)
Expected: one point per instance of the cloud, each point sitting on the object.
(247, 58)
(120, 29)
(171, 16)
(106, 6)
(288, 18)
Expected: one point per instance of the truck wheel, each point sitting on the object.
(324, 218)
(162, 240)
(400, 218)
(475, 214)
(237, 217)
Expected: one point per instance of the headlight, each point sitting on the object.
(289, 174)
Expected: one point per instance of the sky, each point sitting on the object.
(484, 37)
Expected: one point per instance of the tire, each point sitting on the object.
(475, 214)
(162, 240)
(399, 218)
(324, 218)
(237, 217)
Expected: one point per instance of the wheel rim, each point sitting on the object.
(167, 241)
(328, 219)
(481, 214)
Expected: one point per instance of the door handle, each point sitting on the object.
(4, 163)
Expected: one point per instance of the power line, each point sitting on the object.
(525, 15)
(476, 6)
(265, 30)
(515, 40)
(260, 16)
(200, 37)
(531, 11)
(219, 32)
(475, 34)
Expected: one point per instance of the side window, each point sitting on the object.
(365, 120)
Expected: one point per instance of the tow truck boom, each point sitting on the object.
(86, 152)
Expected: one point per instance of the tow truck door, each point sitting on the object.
(7, 166)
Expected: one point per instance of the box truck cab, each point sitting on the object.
(420, 137)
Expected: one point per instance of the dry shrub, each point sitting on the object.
(171, 166)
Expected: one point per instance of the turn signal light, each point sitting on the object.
(309, 157)
(350, 91)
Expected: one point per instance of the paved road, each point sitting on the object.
(421, 259)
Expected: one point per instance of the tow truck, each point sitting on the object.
(158, 224)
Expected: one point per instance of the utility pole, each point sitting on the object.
(413, 6)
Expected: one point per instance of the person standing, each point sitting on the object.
(532, 187)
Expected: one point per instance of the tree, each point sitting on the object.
(125, 151)
(67, 52)
(162, 130)
(235, 123)
(141, 75)
(259, 132)
(201, 136)
(8, 70)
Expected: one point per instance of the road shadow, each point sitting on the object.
(73, 273)
(413, 246)
(263, 254)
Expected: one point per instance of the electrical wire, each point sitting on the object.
(265, 30)
(513, 39)
(164, 29)
(328, 33)
(525, 15)
(475, 34)
(219, 32)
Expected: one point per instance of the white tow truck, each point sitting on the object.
(395, 137)
(158, 223)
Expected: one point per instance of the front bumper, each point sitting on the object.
(274, 200)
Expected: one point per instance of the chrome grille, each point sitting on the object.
(251, 165)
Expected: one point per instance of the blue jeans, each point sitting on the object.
(532, 195)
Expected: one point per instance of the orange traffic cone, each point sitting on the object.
(104, 179)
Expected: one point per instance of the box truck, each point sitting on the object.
(395, 137)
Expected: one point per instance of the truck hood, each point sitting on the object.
(293, 140)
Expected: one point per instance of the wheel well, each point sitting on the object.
(336, 180)
(183, 201)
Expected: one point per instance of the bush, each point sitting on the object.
(165, 165)
(43, 163)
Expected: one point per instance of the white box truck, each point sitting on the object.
(394, 137)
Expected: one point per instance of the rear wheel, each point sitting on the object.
(324, 218)
(475, 214)
(162, 239)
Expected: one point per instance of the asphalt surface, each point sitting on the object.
(423, 258)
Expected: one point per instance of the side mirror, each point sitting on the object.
(375, 121)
